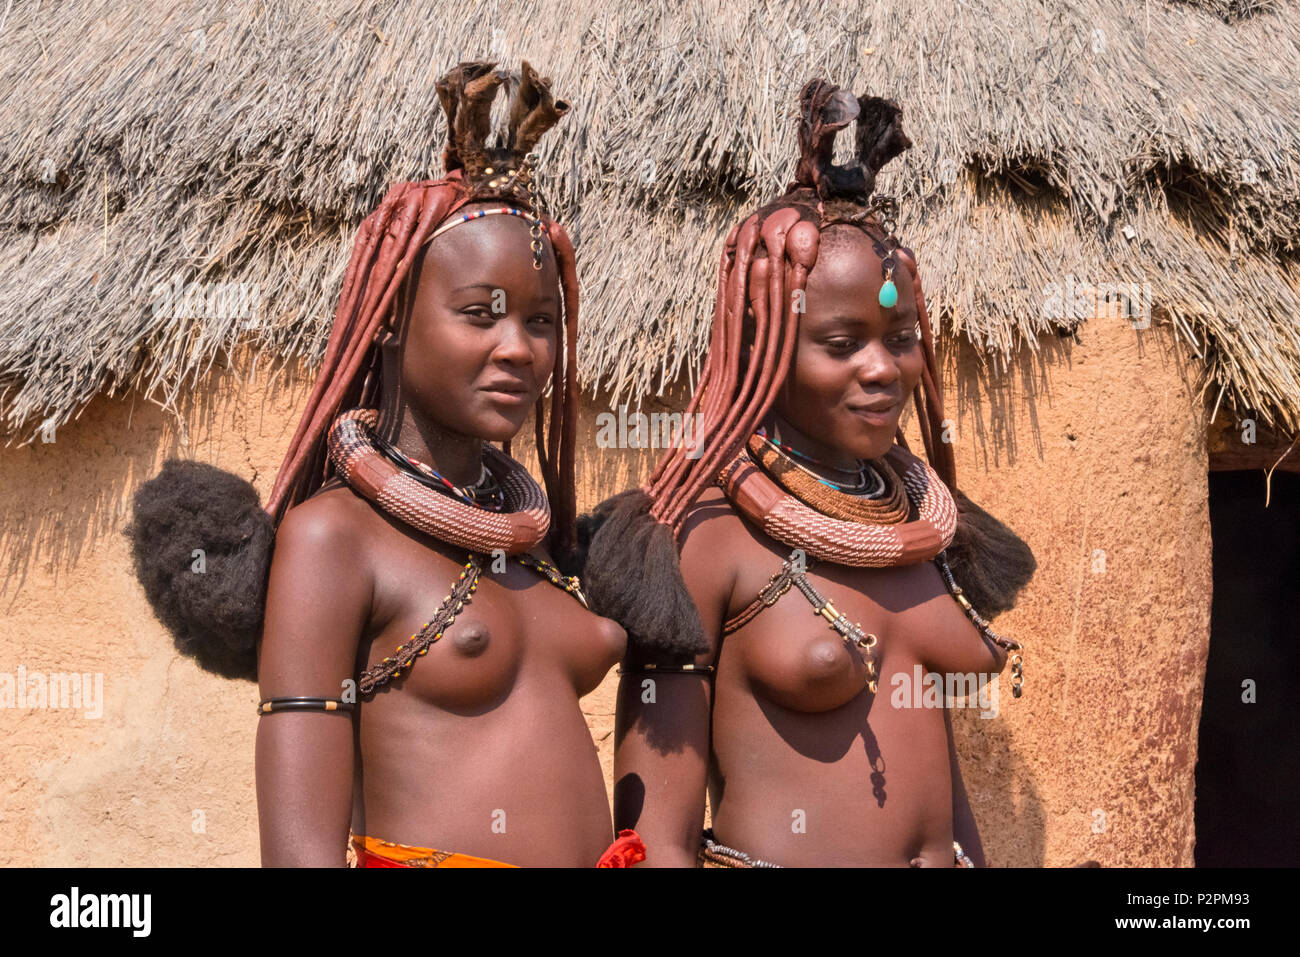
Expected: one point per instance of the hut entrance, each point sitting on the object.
(1248, 768)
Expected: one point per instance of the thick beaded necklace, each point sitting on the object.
(869, 482)
(822, 523)
(485, 493)
(1013, 648)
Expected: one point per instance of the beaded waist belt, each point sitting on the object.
(713, 854)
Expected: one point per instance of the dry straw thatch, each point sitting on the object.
(1086, 141)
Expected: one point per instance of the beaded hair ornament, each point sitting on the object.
(506, 170)
(845, 193)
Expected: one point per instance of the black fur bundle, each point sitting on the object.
(214, 614)
(633, 575)
(989, 561)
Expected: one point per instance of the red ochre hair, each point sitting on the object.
(387, 245)
(632, 570)
(217, 617)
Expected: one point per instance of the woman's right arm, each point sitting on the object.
(661, 727)
(317, 604)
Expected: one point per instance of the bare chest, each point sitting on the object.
(891, 619)
(514, 625)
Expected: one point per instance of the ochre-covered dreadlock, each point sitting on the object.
(219, 621)
(387, 245)
(632, 571)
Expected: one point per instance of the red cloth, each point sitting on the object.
(624, 852)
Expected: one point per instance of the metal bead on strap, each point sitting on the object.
(417, 646)
(1014, 648)
(960, 857)
(521, 181)
(741, 859)
(657, 669)
(852, 633)
(535, 231)
(535, 225)
(569, 583)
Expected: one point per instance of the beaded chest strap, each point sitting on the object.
(418, 644)
(826, 524)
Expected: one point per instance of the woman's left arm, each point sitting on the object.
(964, 831)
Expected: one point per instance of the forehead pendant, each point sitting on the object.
(888, 297)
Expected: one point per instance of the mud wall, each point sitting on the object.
(1093, 451)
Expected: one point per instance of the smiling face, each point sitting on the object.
(484, 327)
(855, 363)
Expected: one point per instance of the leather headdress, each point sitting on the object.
(825, 109)
(504, 170)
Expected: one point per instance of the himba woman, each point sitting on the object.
(783, 578)
(421, 655)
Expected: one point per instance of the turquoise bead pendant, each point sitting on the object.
(888, 294)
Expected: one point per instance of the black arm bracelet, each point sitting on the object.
(705, 670)
(275, 705)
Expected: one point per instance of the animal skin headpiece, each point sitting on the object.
(504, 170)
(844, 192)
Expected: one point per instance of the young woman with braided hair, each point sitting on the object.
(440, 729)
(801, 497)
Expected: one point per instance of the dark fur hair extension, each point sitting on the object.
(215, 616)
(988, 560)
(633, 575)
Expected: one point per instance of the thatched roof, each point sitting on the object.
(1089, 141)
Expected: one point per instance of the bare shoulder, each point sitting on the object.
(332, 511)
(334, 524)
(716, 529)
(711, 520)
(321, 587)
(711, 530)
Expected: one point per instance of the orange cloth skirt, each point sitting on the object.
(372, 852)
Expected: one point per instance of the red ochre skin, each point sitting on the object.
(803, 766)
(481, 747)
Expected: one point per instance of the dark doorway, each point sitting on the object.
(1248, 769)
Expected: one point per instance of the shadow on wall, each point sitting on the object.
(65, 494)
(996, 402)
(1002, 789)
